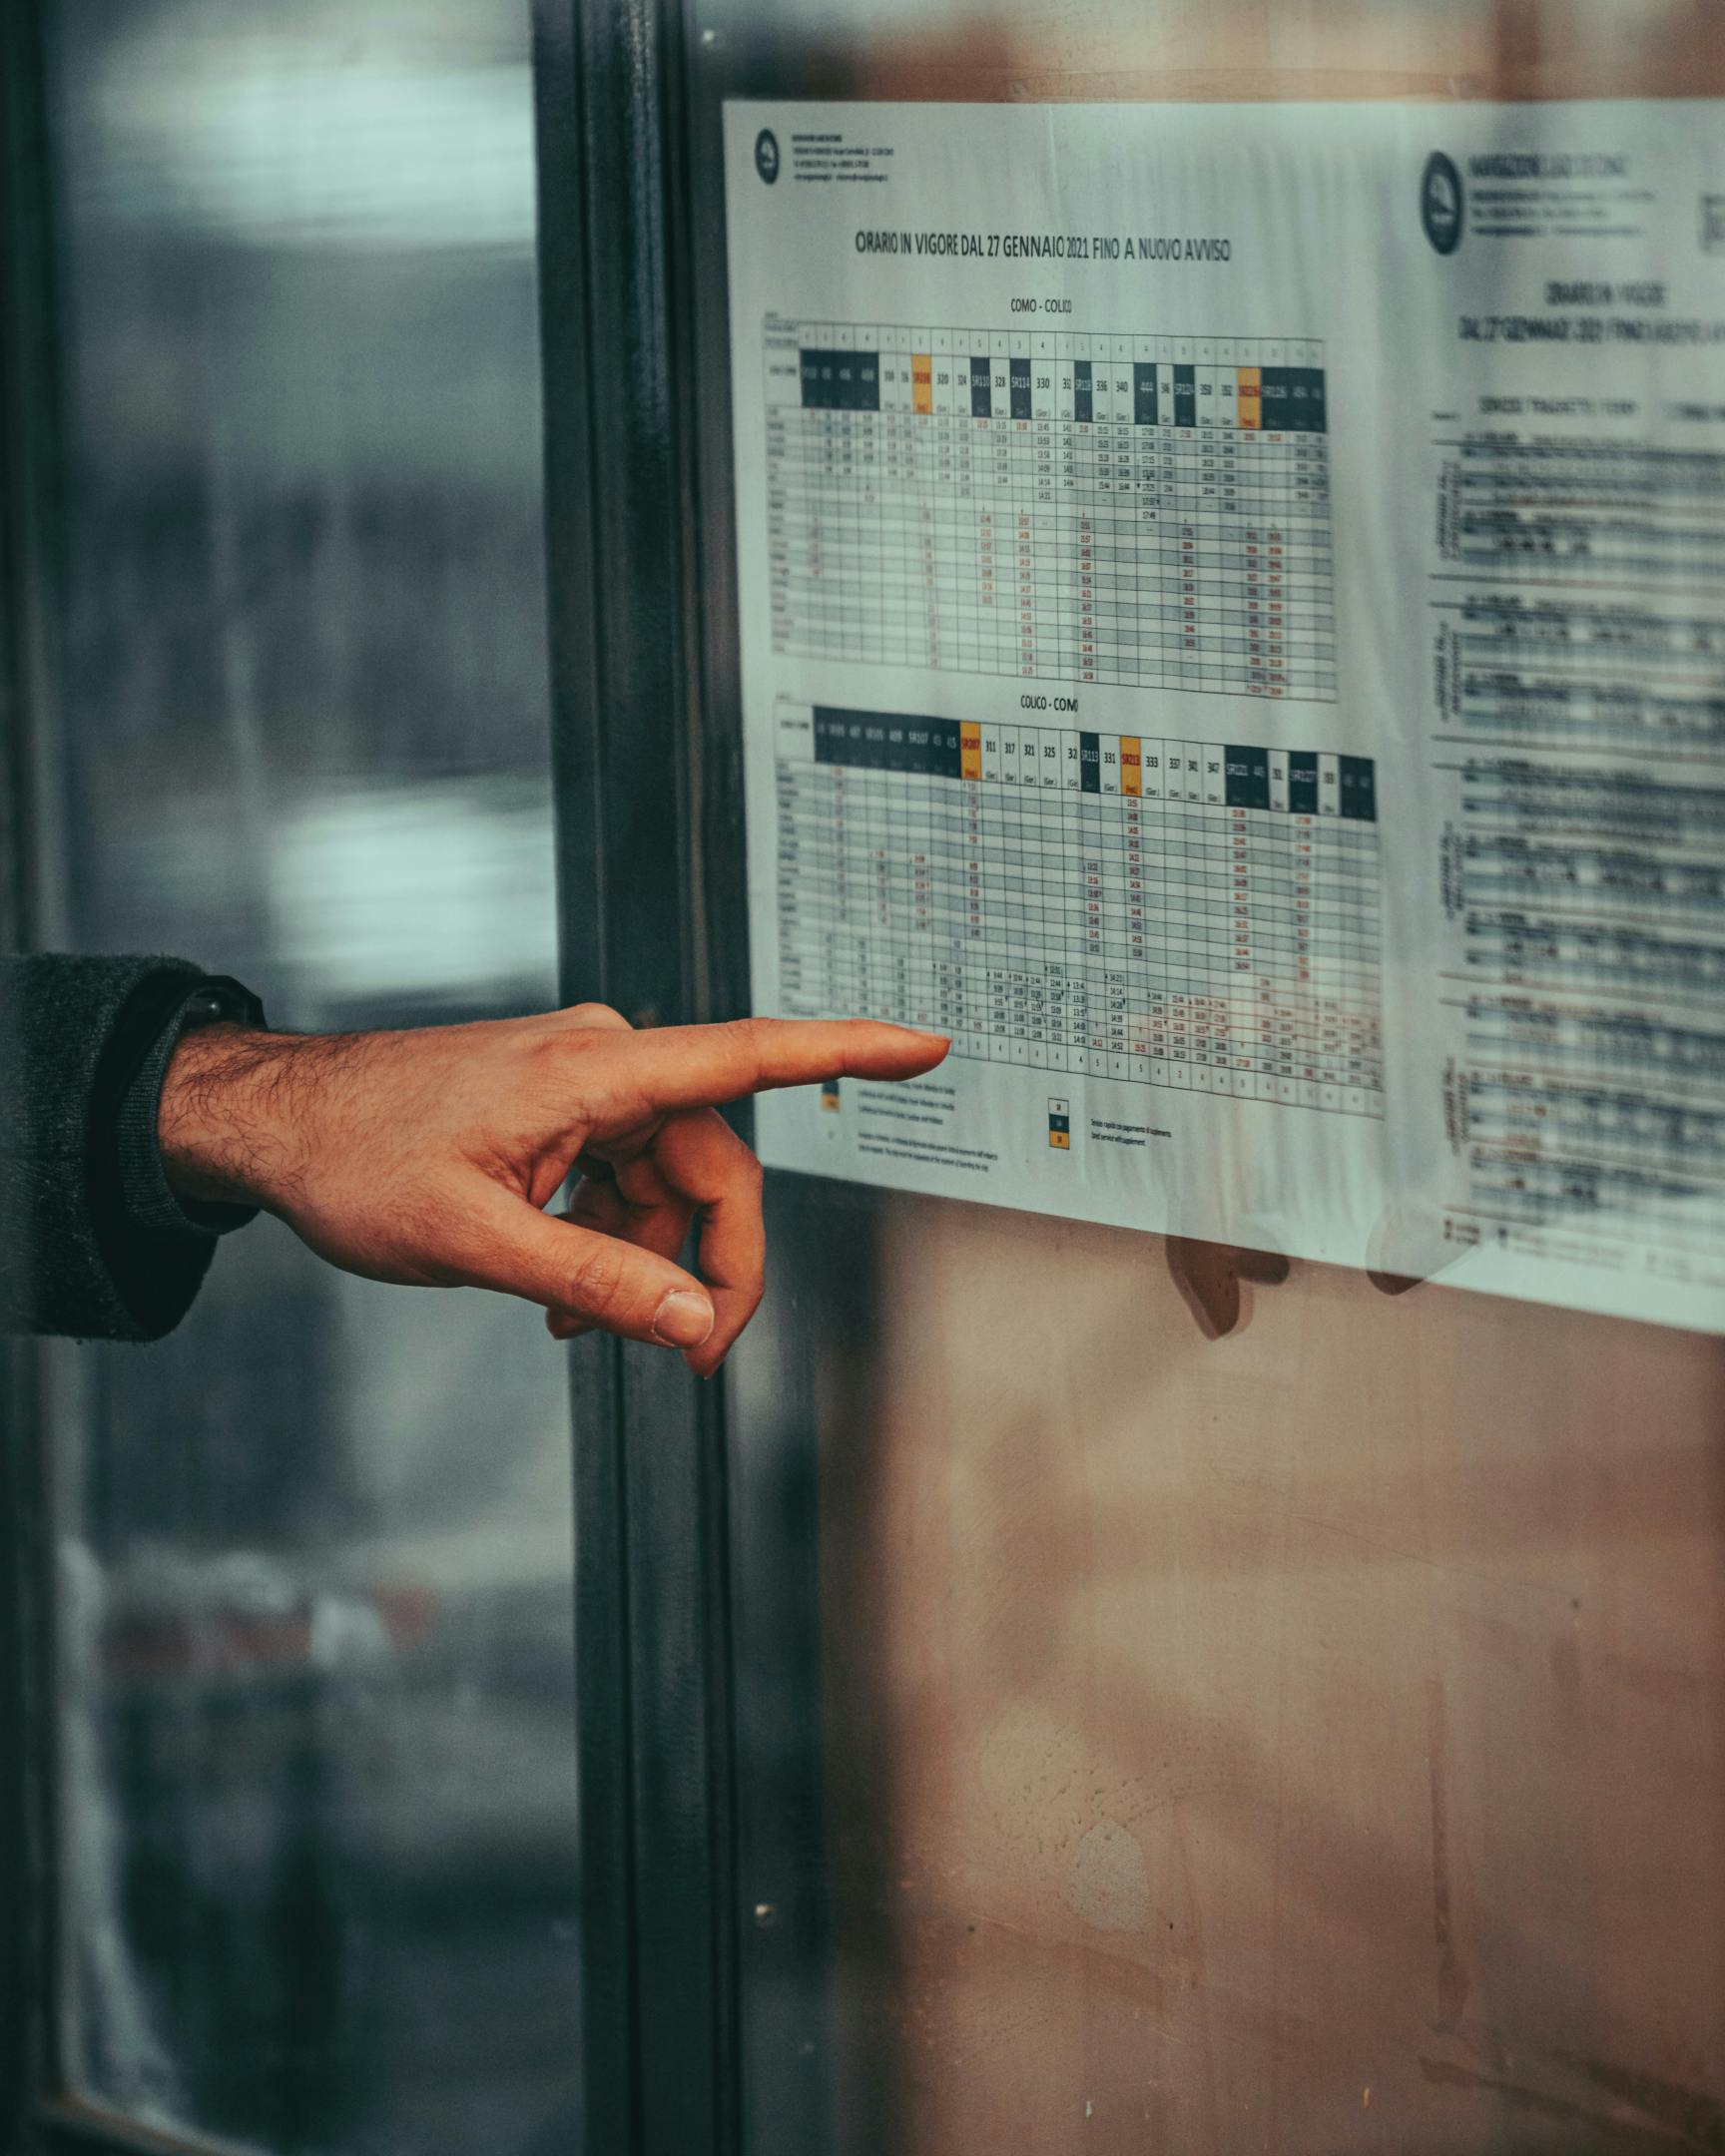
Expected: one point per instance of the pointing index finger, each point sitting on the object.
(701, 1066)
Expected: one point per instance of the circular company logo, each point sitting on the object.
(1441, 203)
(767, 154)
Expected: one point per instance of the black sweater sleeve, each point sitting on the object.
(84, 1043)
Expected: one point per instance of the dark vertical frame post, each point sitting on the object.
(38, 2115)
(26, 553)
(650, 1603)
(26, 373)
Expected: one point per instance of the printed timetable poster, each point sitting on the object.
(1233, 631)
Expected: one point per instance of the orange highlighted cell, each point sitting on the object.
(1248, 386)
(922, 382)
(1131, 764)
(970, 750)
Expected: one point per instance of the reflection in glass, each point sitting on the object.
(317, 1746)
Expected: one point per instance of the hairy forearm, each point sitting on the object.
(233, 1105)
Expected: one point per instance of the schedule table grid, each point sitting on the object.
(1144, 511)
(1176, 913)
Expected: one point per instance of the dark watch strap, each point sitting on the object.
(213, 999)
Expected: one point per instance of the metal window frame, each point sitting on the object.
(696, 1553)
(28, 556)
(38, 2117)
(658, 1950)
(700, 1538)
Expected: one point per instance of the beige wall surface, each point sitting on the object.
(1304, 1740)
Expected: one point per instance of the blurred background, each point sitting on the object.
(315, 1627)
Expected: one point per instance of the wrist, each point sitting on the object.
(227, 1127)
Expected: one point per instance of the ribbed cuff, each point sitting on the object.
(148, 1201)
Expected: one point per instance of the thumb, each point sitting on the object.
(576, 1272)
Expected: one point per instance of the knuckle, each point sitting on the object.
(754, 1036)
(597, 1014)
(597, 1283)
(563, 1054)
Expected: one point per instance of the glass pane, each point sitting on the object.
(1299, 1736)
(315, 1546)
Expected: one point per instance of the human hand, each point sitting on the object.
(428, 1158)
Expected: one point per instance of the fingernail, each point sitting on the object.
(683, 1319)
